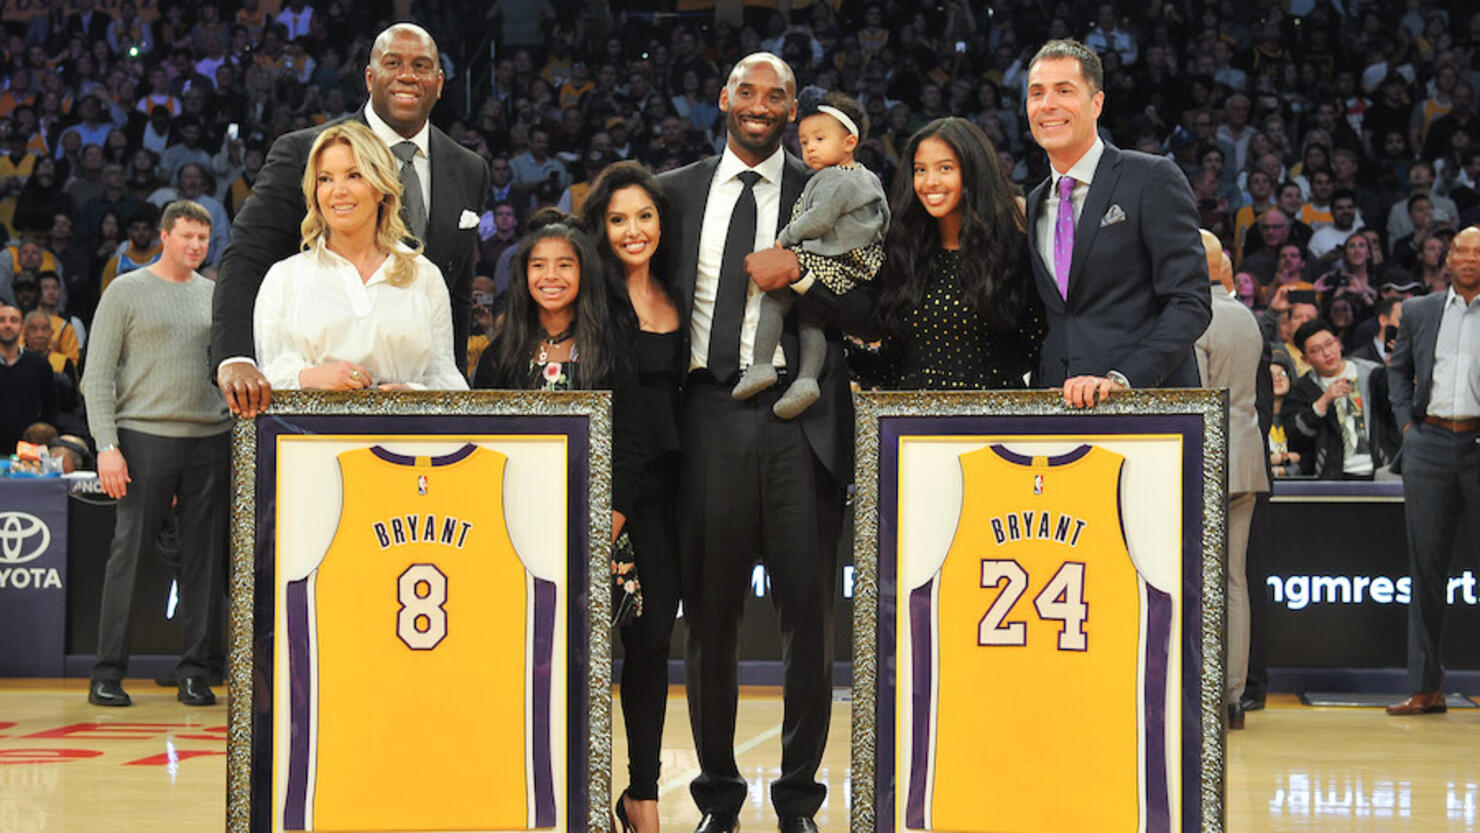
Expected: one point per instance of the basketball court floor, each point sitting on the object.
(160, 766)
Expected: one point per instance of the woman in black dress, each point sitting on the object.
(957, 309)
(625, 212)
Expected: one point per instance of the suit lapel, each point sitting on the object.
(693, 197)
(1107, 174)
(793, 178)
(443, 213)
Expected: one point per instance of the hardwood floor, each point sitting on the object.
(160, 766)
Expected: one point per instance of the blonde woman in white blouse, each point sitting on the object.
(357, 307)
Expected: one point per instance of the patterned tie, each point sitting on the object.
(413, 207)
(1063, 235)
(729, 298)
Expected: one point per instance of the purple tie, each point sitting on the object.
(1063, 235)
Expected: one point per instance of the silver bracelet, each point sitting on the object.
(107, 448)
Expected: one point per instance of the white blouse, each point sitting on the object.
(313, 309)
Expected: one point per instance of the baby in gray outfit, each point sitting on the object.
(842, 214)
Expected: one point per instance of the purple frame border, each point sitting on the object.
(1189, 426)
(270, 428)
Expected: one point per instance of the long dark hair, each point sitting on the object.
(993, 233)
(522, 328)
(614, 178)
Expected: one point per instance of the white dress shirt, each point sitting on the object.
(313, 309)
(422, 161)
(724, 190)
(1456, 382)
(1083, 172)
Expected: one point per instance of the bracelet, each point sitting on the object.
(107, 448)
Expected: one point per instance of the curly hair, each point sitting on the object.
(379, 169)
(993, 233)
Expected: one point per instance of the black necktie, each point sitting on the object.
(413, 207)
(729, 299)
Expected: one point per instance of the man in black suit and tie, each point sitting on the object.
(1434, 381)
(405, 79)
(756, 487)
(1116, 253)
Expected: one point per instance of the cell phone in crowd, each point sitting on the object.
(482, 299)
(1301, 296)
(233, 130)
(1389, 336)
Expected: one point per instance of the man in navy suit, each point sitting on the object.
(1434, 382)
(756, 487)
(1116, 253)
(404, 79)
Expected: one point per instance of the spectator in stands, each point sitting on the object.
(186, 148)
(1261, 199)
(143, 249)
(1408, 249)
(1326, 244)
(1432, 270)
(87, 176)
(1376, 348)
(41, 199)
(67, 335)
(1282, 318)
(1316, 212)
(1351, 278)
(1107, 36)
(75, 263)
(27, 392)
(1420, 181)
(163, 435)
(1262, 251)
(1435, 380)
(38, 340)
(28, 256)
(1346, 168)
(498, 230)
(536, 168)
(1283, 462)
(114, 198)
(1329, 413)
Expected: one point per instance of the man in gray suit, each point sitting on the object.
(1434, 381)
(1114, 244)
(1229, 355)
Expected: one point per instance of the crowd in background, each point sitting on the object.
(1331, 146)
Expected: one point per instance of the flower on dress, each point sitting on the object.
(552, 372)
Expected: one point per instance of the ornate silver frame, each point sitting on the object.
(1211, 406)
(594, 406)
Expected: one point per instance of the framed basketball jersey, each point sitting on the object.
(424, 651)
(1035, 594)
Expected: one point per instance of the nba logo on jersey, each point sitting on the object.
(421, 485)
(1037, 484)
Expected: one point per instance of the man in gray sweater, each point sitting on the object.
(163, 433)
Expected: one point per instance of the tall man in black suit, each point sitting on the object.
(1123, 279)
(405, 80)
(1434, 381)
(756, 487)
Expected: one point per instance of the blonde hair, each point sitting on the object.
(379, 169)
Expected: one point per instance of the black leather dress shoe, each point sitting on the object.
(1251, 704)
(797, 824)
(718, 823)
(1235, 716)
(107, 693)
(195, 692)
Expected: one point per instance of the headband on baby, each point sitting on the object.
(840, 116)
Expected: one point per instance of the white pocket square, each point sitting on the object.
(1115, 215)
(467, 220)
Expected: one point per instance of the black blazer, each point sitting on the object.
(266, 230)
(1410, 369)
(1138, 286)
(828, 424)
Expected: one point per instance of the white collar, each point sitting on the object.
(1454, 297)
(391, 138)
(1083, 171)
(770, 168)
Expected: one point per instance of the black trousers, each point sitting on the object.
(197, 471)
(1441, 486)
(653, 528)
(753, 491)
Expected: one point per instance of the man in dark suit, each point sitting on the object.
(1434, 377)
(405, 80)
(756, 487)
(1116, 253)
